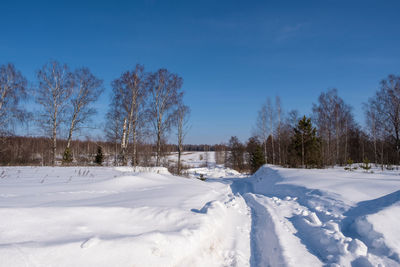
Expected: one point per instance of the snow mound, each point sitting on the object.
(214, 172)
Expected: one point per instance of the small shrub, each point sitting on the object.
(349, 166)
(202, 177)
(366, 166)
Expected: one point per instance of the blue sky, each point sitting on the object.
(232, 55)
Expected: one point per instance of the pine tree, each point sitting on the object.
(305, 145)
(255, 153)
(99, 156)
(366, 166)
(67, 156)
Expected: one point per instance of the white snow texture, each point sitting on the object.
(101, 216)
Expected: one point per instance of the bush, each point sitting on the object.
(99, 156)
(202, 177)
(366, 166)
(349, 166)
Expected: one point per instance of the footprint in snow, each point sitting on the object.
(90, 242)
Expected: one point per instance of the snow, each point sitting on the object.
(103, 216)
(194, 159)
(117, 217)
(331, 214)
(217, 171)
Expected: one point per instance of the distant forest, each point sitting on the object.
(147, 107)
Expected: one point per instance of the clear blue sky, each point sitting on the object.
(231, 54)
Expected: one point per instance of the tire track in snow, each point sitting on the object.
(314, 221)
(265, 247)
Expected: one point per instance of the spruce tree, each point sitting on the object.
(67, 156)
(305, 145)
(255, 153)
(99, 156)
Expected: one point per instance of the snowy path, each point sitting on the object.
(293, 225)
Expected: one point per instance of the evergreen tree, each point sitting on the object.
(255, 154)
(99, 156)
(305, 146)
(67, 156)
(366, 166)
(236, 156)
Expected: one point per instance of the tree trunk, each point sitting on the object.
(273, 150)
(159, 134)
(54, 135)
(134, 158)
(337, 149)
(179, 159)
(124, 144)
(329, 148)
(71, 129)
(116, 154)
(302, 149)
(382, 155)
(345, 146)
(279, 145)
(54, 148)
(265, 150)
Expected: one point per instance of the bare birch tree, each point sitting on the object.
(375, 123)
(13, 87)
(387, 103)
(271, 121)
(113, 126)
(53, 92)
(182, 125)
(333, 118)
(164, 96)
(130, 89)
(279, 117)
(262, 128)
(86, 89)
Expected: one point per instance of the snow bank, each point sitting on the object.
(217, 171)
(119, 217)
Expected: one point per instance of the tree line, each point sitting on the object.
(328, 137)
(146, 107)
(142, 104)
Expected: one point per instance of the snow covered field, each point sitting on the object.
(80, 216)
(116, 217)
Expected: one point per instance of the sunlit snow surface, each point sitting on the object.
(115, 217)
(104, 216)
(328, 217)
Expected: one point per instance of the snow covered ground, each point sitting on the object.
(80, 216)
(116, 217)
(194, 159)
(328, 217)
